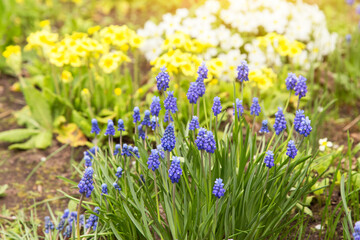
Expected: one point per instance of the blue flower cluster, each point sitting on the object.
(136, 115)
(141, 131)
(86, 183)
(146, 121)
(299, 116)
(104, 189)
(205, 141)
(117, 149)
(93, 219)
(175, 170)
(110, 130)
(218, 189)
(203, 71)
(116, 186)
(87, 161)
(162, 80)
(291, 81)
(216, 108)
(291, 149)
(301, 88)
(119, 172)
(121, 126)
(91, 152)
(356, 233)
(170, 102)
(264, 127)
(255, 108)
(239, 108)
(194, 123)
(269, 159)
(167, 116)
(49, 226)
(153, 123)
(168, 140)
(94, 127)
(243, 72)
(305, 127)
(155, 106)
(280, 122)
(192, 94)
(153, 160)
(63, 219)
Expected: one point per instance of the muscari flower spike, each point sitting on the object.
(243, 72)
(264, 127)
(141, 132)
(162, 80)
(68, 231)
(161, 151)
(117, 149)
(170, 102)
(121, 126)
(200, 86)
(81, 220)
(153, 123)
(125, 150)
(255, 108)
(218, 189)
(175, 170)
(356, 233)
(192, 94)
(135, 151)
(305, 127)
(72, 218)
(146, 121)
(216, 108)
(119, 172)
(201, 139)
(239, 108)
(116, 186)
(299, 116)
(86, 183)
(301, 88)
(280, 122)
(110, 130)
(87, 161)
(291, 150)
(269, 159)
(153, 160)
(104, 189)
(291, 81)
(49, 226)
(61, 225)
(93, 219)
(168, 140)
(94, 127)
(136, 115)
(155, 106)
(91, 152)
(210, 144)
(203, 71)
(194, 123)
(166, 117)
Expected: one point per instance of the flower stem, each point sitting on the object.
(202, 163)
(157, 199)
(174, 209)
(215, 219)
(78, 217)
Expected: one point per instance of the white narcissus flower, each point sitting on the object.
(324, 143)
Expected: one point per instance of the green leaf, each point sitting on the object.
(17, 135)
(41, 141)
(3, 189)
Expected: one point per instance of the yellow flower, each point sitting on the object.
(11, 50)
(75, 60)
(44, 23)
(66, 76)
(93, 30)
(108, 63)
(187, 69)
(85, 93)
(136, 41)
(117, 91)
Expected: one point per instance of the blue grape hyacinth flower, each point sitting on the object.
(110, 130)
(125, 150)
(117, 149)
(280, 122)
(119, 172)
(170, 102)
(200, 140)
(239, 108)
(255, 108)
(116, 186)
(242, 72)
(61, 224)
(305, 127)
(269, 159)
(141, 132)
(210, 144)
(135, 151)
(356, 233)
(161, 151)
(162, 80)
(136, 115)
(168, 140)
(94, 127)
(86, 183)
(200, 86)
(203, 71)
(264, 127)
(192, 94)
(93, 219)
(91, 152)
(216, 108)
(121, 126)
(218, 189)
(291, 81)
(49, 226)
(301, 87)
(167, 116)
(104, 189)
(291, 150)
(68, 231)
(153, 123)
(146, 121)
(194, 123)
(175, 170)
(153, 160)
(87, 161)
(299, 116)
(155, 106)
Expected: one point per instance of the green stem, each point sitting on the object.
(78, 217)
(157, 199)
(174, 209)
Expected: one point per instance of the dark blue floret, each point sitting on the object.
(194, 123)
(61, 225)
(153, 123)
(200, 86)
(119, 172)
(87, 161)
(269, 159)
(203, 71)
(305, 127)
(291, 81)
(117, 149)
(200, 140)
(175, 171)
(192, 94)
(168, 140)
(146, 121)
(141, 132)
(166, 117)
(170, 102)
(125, 150)
(155, 106)
(110, 130)
(86, 183)
(218, 189)
(104, 189)
(161, 151)
(121, 126)
(91, 152)
(94, 127)
(243, 72)
(68, 231)
(239, 108)
(280, 122)
(116, 186)
(49, 226)
(264, 127)
(136, 115)
(93, 219)
(216, 108)
(301, 88)
(210, 144)
(162, 80)
(255, 108)
(153, 160)
(299, 116)
(135, 151)
(291, 149)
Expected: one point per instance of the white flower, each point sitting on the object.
(324, 143)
